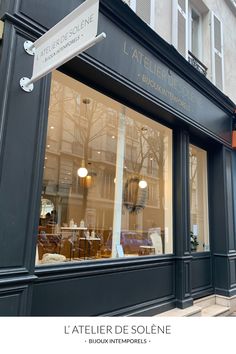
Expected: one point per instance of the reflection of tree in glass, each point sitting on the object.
(147, 156)
(90, 128)
(80, 124)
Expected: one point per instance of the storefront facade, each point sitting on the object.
(150, 226)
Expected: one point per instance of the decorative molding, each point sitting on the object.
(16, 271)
(183, 304)
(101, 268)
(225, 292)
(13, 300)
(187, 272)
(198, 293)
(18, 280)
(226, 255)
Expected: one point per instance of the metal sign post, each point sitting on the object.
(71, 36)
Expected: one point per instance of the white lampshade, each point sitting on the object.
(142, 184)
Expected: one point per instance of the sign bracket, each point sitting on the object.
(29, 47)
(74, 34)
(27, 84)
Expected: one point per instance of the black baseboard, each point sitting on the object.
(225, 292)
(183, 304)
(202, 293)
(143, 310)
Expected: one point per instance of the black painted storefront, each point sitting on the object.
(136, 67)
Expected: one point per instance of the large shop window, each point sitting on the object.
(107, 183)
(199, 225)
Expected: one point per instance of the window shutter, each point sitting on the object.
(145, 10)
(217, 52)
(180, 26)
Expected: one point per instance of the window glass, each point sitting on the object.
(107, 183)
(217, 37)
(199, 226)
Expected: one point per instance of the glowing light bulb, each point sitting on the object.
(82, 172)
(142, 184)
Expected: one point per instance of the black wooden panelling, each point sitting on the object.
(181, 192)
(201, 273)
(21, 148)
(19, 155)
(234, 190)
(127, 59)
(218, 214)
(54, 10)
(181, 219)
(229, 199)
(232, 272)
(221, 274)
(187, 272)
(13, 301)
(222, 226)
(225, 275)
(101, 294)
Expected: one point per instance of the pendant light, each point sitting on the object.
(82, 171)
(142, 184)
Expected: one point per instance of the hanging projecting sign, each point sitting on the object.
(72, 35)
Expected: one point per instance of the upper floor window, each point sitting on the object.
(145, 10)
(187, 29)
(195, 32)
(187, 36)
